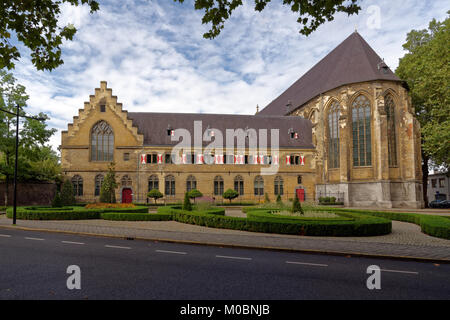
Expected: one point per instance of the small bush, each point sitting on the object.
(296, 206)
(57, 203)
(230, 194)
(155, 194)
(67, 197)
(187, 203)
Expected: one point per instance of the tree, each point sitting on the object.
(187, 203)
(36, 160)
(67, 196)
(296, 206)
(155, 194)
(425, 68)
(194, 193)
(230, 194)
(108, 190)
(57, 203)
(279, 201)
(311, 14)
(34, 23)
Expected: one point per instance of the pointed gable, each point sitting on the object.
(352, 61)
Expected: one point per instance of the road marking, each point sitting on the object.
(237, 258)
(399, 271)
(117, 247)
(307, 264)
(5, 235)
(71, 242)
(37, 239)
(174, 252)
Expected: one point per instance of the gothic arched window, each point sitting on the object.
(259, 186)
(77, 183)
(362, 145)
(191, 183)
(218, 186)
(279, 186)
(239, 185)
(333, 135)
(389, 105)
(102, 142)
(126, 181)
(98, 184)
(153, 183)
(169, 185)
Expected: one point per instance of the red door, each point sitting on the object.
(301, 195)
(126, 196)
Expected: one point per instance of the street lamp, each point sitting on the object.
(17, 154)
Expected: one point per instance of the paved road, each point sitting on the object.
(33, 266)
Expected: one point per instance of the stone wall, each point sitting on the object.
(29, 193)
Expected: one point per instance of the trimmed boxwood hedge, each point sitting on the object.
(74, 213)
(131, 216)
(437, 226)
(259, 220)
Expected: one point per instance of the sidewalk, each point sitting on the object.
(405, 241)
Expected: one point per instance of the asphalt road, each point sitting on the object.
(33, 265)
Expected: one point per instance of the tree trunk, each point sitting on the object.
(425, 160)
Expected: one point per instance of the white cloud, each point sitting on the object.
(154, 57)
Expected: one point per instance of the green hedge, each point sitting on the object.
(131, 216)
(264, 221)
(437, 226)
(67, 213)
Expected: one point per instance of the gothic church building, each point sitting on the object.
(346, 129)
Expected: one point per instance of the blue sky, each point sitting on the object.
(153, 55)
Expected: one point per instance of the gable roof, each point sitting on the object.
(352, 61)
(154, 127)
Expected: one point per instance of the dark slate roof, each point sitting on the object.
(154, 126)
(352, 61)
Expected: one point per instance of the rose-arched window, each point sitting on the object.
(77, 183)
(102, 142)
(98, 183)
(218, 185)
(239, 185)
(279, 186)
(153, 183)
(191, 183)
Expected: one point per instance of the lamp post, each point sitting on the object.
(17, 115)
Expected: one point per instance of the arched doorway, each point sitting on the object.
(127, 196)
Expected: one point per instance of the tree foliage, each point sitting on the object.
(296, 206)
(187, 202)
(67, 196)
(311, 14)
(426, 69)
(230, 194)
(155, 194)
(194, 193)
(109, 186)
(34, 23)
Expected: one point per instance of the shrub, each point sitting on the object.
(100, 205)
(109, 185)
(230, 194)
(57, 203)
(279, 201)
(155, 194)
(67, 197)
(194, 193)
(296, 206)
(187, 203)
(131, 216)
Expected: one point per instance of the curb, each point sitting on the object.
(347, 254)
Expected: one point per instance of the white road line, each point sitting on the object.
(117, 247)
(37, 239)
(71, 242)
(307, 264)
(5, 235)
(399, 271)
(174, 252)
(237, 258)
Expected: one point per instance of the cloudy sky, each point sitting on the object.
(153, 55)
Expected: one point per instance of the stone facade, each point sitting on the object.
(129, 146)
(378, 184)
